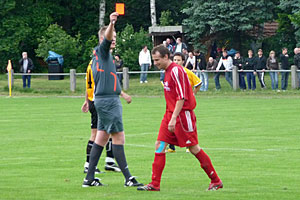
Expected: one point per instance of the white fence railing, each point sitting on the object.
(235, 76)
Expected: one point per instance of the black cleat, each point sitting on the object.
(132, 182)
(95, 182)
(112, 167)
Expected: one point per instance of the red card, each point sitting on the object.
(120, 8)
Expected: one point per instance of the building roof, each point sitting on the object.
(165, 30)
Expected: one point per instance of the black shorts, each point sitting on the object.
(94, 117)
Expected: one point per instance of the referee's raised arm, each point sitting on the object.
(109, 33)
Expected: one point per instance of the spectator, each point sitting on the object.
(226, 61)
(200, 67)
(26, 67)
(169, 45)
(239, 62)
(297, 62)
(186, 55)
(249, 65)
(284, 58)
(179, 45)
(119, 67)
(211, 65)
(272, 64)
(191, 61)
(260, 64)
(145, 63)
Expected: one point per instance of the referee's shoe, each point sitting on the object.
(95, 182)
(132, 182)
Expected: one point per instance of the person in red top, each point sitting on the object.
(178, 126)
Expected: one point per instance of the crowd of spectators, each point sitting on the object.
(250, 67)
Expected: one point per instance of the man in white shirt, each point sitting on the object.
(145, 63)
(179, 45)
(191, 61)
(227, 62)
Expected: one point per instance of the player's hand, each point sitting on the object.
(171, 125)
(126, 97)
(113, 17)
(85, 107)
(254, 73)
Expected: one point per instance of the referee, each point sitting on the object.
(88, 105)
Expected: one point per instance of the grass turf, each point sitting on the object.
(253, 142)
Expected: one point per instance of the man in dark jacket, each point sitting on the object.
(260, 64)
(26, 67)
(239, 62)
(249, 65)
(200, 67)
(297, 62)
(284, 59)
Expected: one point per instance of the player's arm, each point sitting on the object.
(126, 97)
(197, 88)
(109, 33)
(85, 105)
(178, 108)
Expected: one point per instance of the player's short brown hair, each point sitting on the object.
(179, 54)
(162, 50)
(102, 30)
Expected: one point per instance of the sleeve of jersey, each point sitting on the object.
(88, 74)
(196, 80)
(104, 48)
(179, 77)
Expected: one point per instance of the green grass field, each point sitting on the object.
(253, 141)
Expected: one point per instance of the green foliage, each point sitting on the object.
(165, 18)
(57, 40)
(291, 9)
(210, 20)
(87, 50)
(130, 43)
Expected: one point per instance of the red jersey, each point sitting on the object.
(176, 87)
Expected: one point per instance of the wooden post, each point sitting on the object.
(125, 78)
(235, 78)
(294, 77)
(73, 80)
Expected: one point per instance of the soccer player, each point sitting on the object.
(195, 82)
(108, 107)
(178, 126)
(88, 105)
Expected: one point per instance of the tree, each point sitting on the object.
(214, 20)
(57, 40)
(101, 13)
(129, 44)
(165, 18)
(153, 12)
(292, 10)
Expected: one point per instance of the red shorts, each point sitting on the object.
(185, 133)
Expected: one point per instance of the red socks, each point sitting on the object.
(207, 166)
(157, 168)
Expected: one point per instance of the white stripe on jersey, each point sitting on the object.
(176, 79)
(189, 120)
